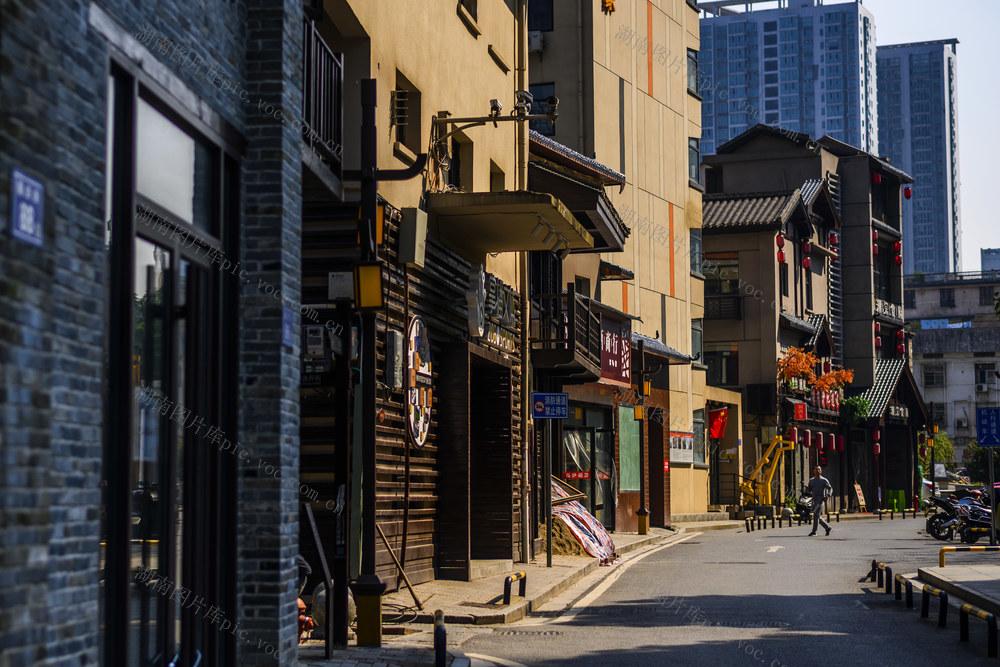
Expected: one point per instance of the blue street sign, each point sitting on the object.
(26, 208)
(988, 427)
(549, 405)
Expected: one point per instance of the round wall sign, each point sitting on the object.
(419, 395)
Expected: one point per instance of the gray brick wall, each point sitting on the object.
(52, 366)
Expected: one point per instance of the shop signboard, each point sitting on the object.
(419, 397)
(492, 308)
(616, 352)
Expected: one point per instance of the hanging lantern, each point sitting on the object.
(826, 366)
(900, 350)
(807, 247)
(874, 235)
(793, 434)
(923, 452)
(875, 249)
(897, 247)
(781, 256)
(840, 443)
(878, 343)
(834, 238)
(830, 440)
(877, 178)
(876, 435)
(806, 438)
(878, 328)
(807, 263)
(836, 400)
(907, 192)
(876, 449)
(818, 440)
(779, 240)
(899, 260)
(900, 335)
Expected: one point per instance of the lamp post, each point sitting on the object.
(642, 512)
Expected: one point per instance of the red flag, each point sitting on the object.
(717, 422)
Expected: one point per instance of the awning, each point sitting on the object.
(887, 373)
(479, 223)
(609, 271)
(654, 346)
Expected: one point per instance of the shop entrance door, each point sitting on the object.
(588, 466)
(491, 444)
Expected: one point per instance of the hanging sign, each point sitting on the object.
(800, 410)
(616, 352)
(419, 395)
(492, 310)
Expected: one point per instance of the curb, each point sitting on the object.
(957, 590)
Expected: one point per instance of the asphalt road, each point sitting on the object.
(771, 598)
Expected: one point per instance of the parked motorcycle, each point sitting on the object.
(804, 505)
(942, 524)
(974, 522)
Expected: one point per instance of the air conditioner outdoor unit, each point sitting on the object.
(535, 41)
(980, 388)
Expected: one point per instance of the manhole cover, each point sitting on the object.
(528, 633)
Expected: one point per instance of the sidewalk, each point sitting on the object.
(408, 637)
(977, 583)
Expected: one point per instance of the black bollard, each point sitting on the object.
(440, 640)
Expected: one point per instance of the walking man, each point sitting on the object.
(820, 489)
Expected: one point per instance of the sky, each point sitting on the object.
(976, 24)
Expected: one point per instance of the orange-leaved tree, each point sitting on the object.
(834, 379)
(797, 363)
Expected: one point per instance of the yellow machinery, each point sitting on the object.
(756, 487)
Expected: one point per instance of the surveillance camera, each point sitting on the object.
(552, 101)
(525, 98)
(495, 106)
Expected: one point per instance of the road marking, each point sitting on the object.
(772, 550)
(600, 588)
(859, 602)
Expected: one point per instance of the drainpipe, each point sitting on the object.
(521, 35)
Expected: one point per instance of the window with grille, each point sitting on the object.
(947, 297)
(986, 295)
(934, 375)
(405, 113)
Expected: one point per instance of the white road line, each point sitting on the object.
(600, 588)
(772, 550)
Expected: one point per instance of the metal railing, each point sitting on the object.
(723, 307)
(322, 97)
(566, 322)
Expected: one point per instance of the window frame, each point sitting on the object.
(694, 161)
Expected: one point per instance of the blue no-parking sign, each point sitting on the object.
(988, 427)
(546, 405)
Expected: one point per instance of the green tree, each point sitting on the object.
(944, 452)
(977, 462)
(854, 410)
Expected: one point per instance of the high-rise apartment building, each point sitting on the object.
(801, 65)
(918, 132)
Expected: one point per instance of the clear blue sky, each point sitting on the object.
(976, 24)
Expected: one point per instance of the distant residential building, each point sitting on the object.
(805, 67)
(918, 131)
(956, 337)
(989, 259)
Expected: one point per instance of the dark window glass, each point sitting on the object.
(699, 436)
(540, 15)
(910, 299)
(986, 295)
(697, 340)
(933, 376)
(696, 261)
(542, 91)
(947, 297)
(692, 70)
(694, 160)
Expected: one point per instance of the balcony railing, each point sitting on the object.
(723, 307)
(566, 332)
(322, 98)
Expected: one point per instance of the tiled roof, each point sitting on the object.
(762, 129)
(748, 211)
(815, 322)
(799, 323)
(656, 347)
(811, 189)
(841, 149)
(886, 376)
(566, 151)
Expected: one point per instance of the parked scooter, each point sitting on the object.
(974, 522)
(942, 524)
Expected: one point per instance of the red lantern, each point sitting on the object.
(876, 449)
(878, 328)
(807, 263)
(874, 235)
(897, 246)
(899, 260)
(779, 240)
(807, 247)
(818, 440)
(923, 452)
(826, 366)
(878, 343)
(781, 256)
(876, 435)
(793, 434)
(806, 437)
(834, 239)
(900, 349)
(876, 178)
(830, 439)
(840, 443)
(900, 335)
(907, 192)
(875, 249)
